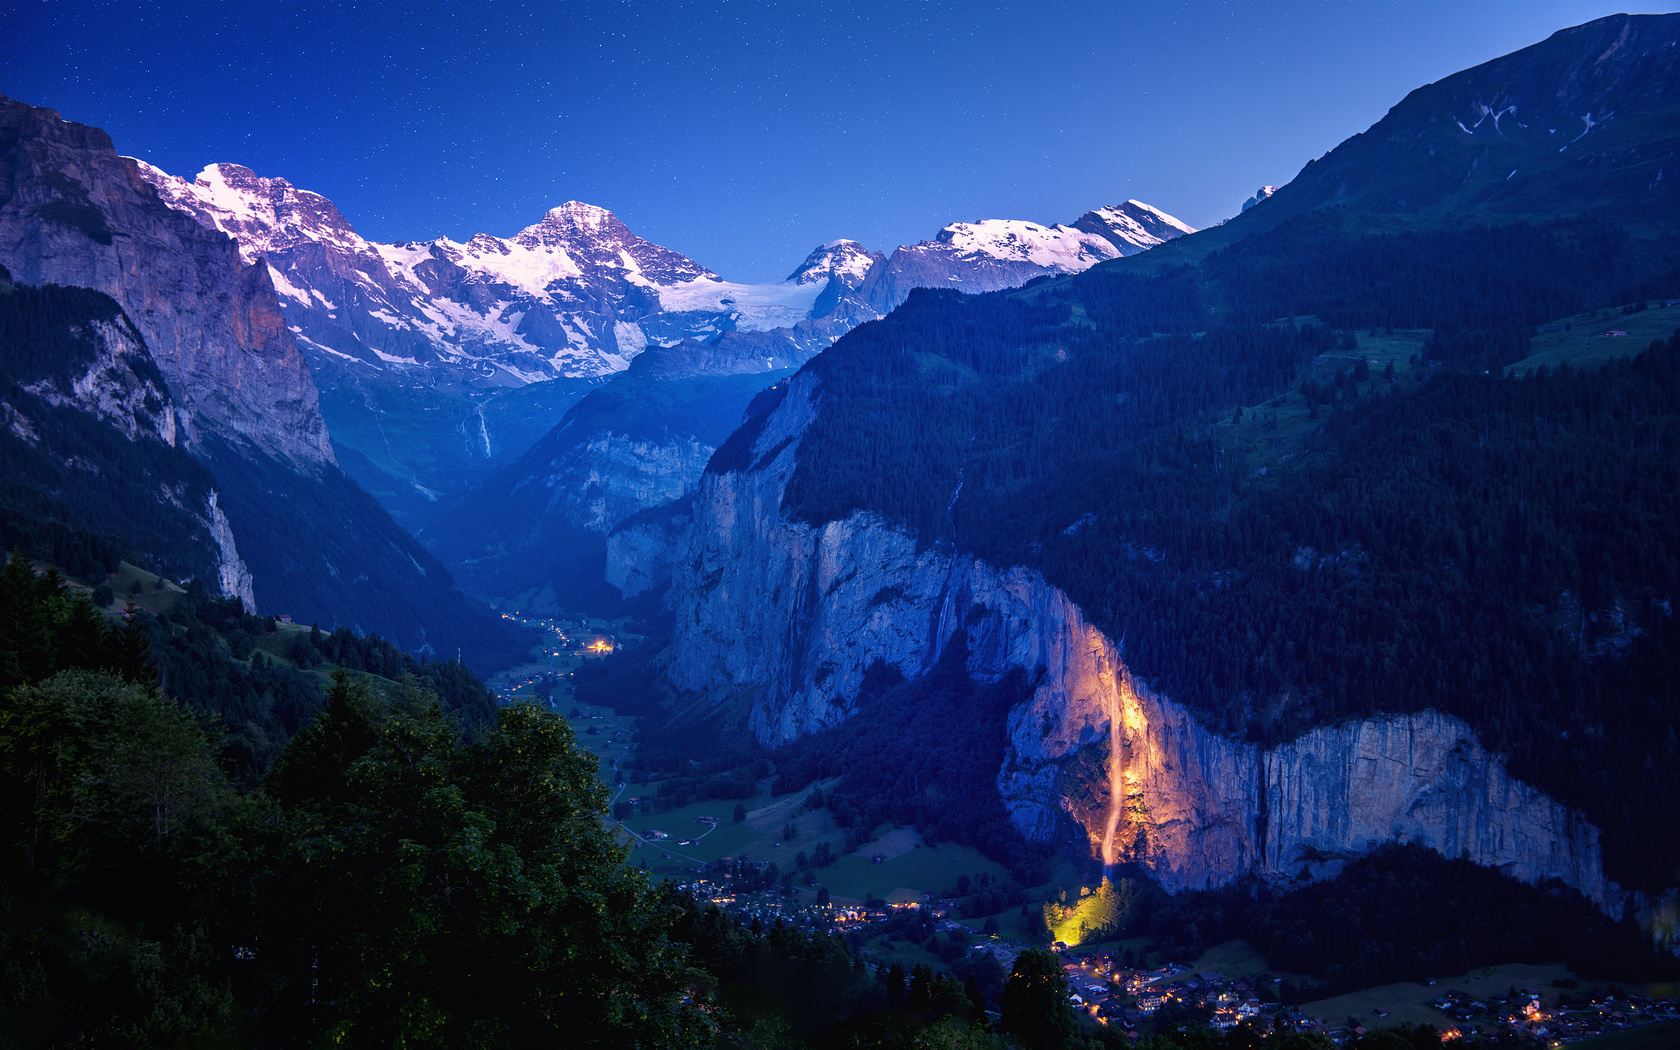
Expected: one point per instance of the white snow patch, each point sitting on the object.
(756, 306)
(1051, 247)
(285, 287)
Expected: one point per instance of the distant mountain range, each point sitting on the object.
(439, 360)
(306, 364)
(447, 368)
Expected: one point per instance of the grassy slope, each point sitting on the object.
(1408, 1002)
(1585, 344)
(1663, 1036)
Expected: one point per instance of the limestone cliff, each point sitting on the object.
(117, 383)
(640, 549)
(73, 212)
(786, 618)
(272, 513)
(75, 371)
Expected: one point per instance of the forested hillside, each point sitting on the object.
(410, 871)
(1445, 537)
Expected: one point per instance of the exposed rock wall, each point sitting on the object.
(639, 551)
(232, 576)
(111, 378)
(790, 617)
(73, 212)
(119, 385)
(614, 475)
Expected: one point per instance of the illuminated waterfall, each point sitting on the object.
(1116, 773)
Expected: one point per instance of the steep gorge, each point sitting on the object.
(778, 622)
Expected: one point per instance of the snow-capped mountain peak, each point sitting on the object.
(263, 215)
(1132, 227)
(1014, 240)
(845, 259)
(594, 236)
(573, 222)
(993, 254)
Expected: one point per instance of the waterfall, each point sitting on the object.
(483, 430)
(1116, 785)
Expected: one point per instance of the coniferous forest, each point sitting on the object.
(1497, 547)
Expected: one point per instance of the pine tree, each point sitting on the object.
(132, 652)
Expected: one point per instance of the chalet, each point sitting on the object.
(1152, 999)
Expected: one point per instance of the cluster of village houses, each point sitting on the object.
(1566, 1019)
(1127, 997)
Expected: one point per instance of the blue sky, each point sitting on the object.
(745, 133)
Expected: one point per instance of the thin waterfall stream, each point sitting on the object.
(1116, 789)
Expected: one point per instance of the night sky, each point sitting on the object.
(745, 133)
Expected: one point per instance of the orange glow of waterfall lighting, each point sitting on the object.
(1125, 716)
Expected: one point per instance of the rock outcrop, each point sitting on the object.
(118, 384)
(787, 618)
(76, 372)
(232, 576)
(640, 549)
(73, 212)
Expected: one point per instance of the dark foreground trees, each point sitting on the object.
(1035, 1001)
(394, 884)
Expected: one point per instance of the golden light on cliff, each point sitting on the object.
(1126, 723)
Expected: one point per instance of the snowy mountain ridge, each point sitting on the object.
(992, 254)
(439, 359)
(1052, 247)
(576, 294)
(562, 297)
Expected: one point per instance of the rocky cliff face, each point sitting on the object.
(75, 369)
(272, 516)
(118, 384)
(640, 549)
(73, 212)
(232, 576)
(787, 618)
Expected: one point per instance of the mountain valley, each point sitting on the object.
(1090, 480)
(1186, 627)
